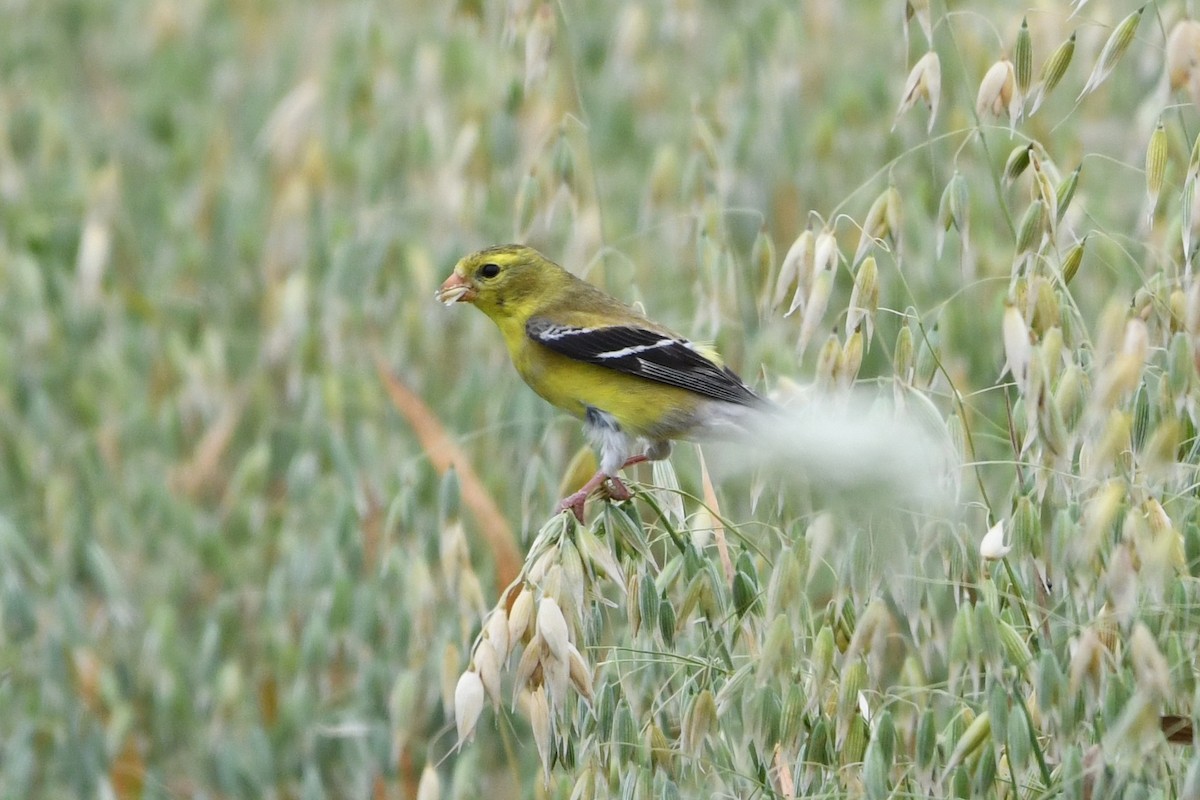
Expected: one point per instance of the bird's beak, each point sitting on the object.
(455, 288)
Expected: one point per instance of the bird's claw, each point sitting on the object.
(613, 489)
(616, 490)
(574, 504)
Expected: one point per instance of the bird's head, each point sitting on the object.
(496, 280)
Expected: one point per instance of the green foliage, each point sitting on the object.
(229, 567)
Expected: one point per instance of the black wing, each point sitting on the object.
(645, 353)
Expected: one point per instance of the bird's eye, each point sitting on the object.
(489, 270)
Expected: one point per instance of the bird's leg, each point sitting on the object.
(615, 489)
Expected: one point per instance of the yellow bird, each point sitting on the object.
(635, 384)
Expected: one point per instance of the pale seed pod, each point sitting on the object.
(864, 297)
(996, 91)
(902, 358)
(893, 212)
(487, 664)
(600, 557)
(1052, 72)
(993, 546)
(552, 627)
(920, 10)
(960, 209)
(1066, 192)
(825, 251)
(852, 356)
(1156, 167)
(1074, 257)
(924, 82)
(1183, 53)
(978, 732)
(574, 580)
(1017, 162)
(1045, 189)
(542, 728)
(874, 227)
(531, 659)
(633, 601)
(495, 632)
(468, 704)
(581, 676)
(1114, 48)
(519, 616)
(1047, 314)
(1023, 57)
(555, 678)
(954, 209)
(829, 361)
(814, 311)
(1017, 346)
(430, 785)
(796, 269)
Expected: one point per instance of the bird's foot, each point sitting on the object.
(613, 487)
(574, 504)
(616, 490)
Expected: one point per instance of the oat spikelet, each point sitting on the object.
(1016, 163)
(1070, 264)
(1156, 168)
(1183, 58)
(1066, 191)
(924, 83)
(920, 10)
(796, 269)
(1118, 42)
(1023, 57)
(954, 209)
(1052, 72)
(997, 91)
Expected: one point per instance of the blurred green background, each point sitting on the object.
(223, 569)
